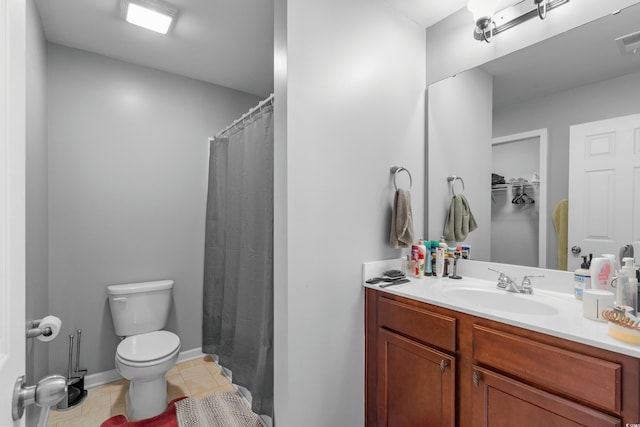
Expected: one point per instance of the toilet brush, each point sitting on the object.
(75, 378)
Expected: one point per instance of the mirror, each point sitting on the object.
(576, 77)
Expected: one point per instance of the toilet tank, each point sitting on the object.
(142, 307)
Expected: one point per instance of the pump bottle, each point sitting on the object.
(582, 277)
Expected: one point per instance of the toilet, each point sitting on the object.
(146, 352)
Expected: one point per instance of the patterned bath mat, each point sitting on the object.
(223, 409)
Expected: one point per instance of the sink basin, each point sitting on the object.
(499, 300)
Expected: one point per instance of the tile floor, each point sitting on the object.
(195, 378)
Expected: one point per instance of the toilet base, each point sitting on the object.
(146, 399)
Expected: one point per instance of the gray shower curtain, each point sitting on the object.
(238, 279)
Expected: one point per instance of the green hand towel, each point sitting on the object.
(460, 221)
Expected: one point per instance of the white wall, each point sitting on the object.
(354, 108)
(37, 227)
(599, 101)
(459, 143)
(128, 159)
(452, 49)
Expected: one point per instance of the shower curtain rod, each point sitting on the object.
(246, 115)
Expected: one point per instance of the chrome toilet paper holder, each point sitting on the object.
(33, 329)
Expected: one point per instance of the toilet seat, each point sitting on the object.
(148, 348)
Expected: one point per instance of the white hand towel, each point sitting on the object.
(401, 220)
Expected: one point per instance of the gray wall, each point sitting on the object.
(556, 112)
(37, 227)
(128, 159)
(459, 143)
(354, 93)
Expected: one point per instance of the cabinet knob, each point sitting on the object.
(476, 379)
(443, 365)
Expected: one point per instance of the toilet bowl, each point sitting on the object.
(145, 360)
(146, 353)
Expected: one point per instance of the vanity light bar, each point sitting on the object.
(517, 14)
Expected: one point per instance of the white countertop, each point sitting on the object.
(563, 318)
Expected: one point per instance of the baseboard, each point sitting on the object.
(194, 353)
(100, 378)
(94, 380)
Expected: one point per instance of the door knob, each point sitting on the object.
(576, 250)
(48, 392)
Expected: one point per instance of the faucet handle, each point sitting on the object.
(503, 279)
(526, 283)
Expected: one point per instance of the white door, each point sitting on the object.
(12, 202)
(604, 187)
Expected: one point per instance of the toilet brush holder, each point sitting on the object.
(76, 392)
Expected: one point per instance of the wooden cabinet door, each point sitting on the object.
(416, 384)
(499, 401)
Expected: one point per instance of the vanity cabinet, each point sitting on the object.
(419, 383)
(415, 361)
(431, 366)
(498, 400)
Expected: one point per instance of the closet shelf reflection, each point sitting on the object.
(517, 185)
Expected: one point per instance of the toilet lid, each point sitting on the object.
(149, 346)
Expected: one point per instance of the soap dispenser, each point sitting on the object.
(582, 277)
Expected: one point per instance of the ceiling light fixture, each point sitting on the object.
(489, 22)
(153, 15)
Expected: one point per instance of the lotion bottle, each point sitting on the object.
(600, 271)
(582, 277)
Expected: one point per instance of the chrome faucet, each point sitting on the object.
(509, 284)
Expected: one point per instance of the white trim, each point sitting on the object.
(541, 134)
(190, 354)
(94, 380)
(105, 377)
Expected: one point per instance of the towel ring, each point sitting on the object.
(452, 180)
(395, 170)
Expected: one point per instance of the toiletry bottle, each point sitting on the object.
(600, 272)
(445, 270)
(626, 293)
(614, 269)
(450, 257)
(434, 245)
(629, 270)
(439, 261)
(422, 257)
(582, 278)
(466, 252)
(408, 266)
(442, 243)
(428, 267)
(433, 263)
(415, 255)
